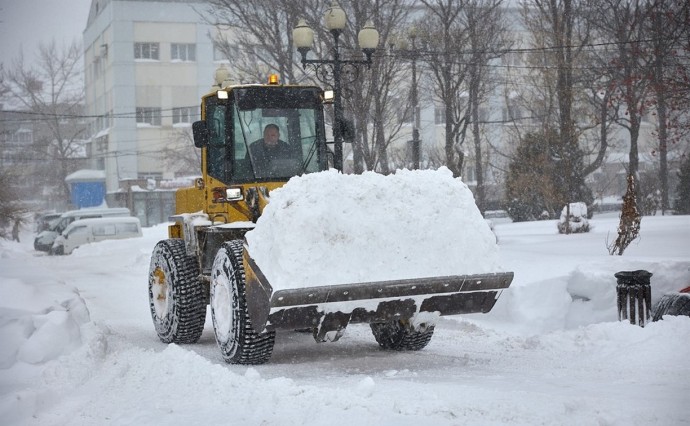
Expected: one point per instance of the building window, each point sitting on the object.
(183, 52)
(405, 112)
(146, 51)
(469, 175)
(22, 136)
(512, 59)
(150, 116)
(183, 115)
(97, 67)
(150, 176)
(439, 115)
(483, 114)
(512, 110)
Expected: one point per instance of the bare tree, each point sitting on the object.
(446, 39)
(51, 93)
(621, 24)
(599, 91)
(668, 27)
(560, 32)
(488, 37)
(12, 211)
(373, 99)
(180, 156)
(256, 36)
(3, 88)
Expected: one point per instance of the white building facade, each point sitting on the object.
(147, 63)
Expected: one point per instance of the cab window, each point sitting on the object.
(297, 115)
(215, 121)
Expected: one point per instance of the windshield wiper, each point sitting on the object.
(244, 136)
(310, 155)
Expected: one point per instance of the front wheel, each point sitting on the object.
(232, 325)
(399, 335)
(176, 296)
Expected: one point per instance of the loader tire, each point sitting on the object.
(176, 295)
(672, 304)
(232, 325)
(398, 336)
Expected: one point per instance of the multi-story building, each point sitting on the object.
(147, 63)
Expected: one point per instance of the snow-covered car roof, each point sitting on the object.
(101, 220)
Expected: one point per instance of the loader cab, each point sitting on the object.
(234, 119)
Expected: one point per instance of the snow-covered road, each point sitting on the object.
(540, 357)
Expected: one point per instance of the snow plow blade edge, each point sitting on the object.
(367, 302)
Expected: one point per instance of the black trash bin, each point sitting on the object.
(634, 296)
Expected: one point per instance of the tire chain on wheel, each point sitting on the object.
(671, 304)
(185, 318)
(397, 336)
(253, 347)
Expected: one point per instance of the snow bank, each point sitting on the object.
(39, 323)
(329, 228)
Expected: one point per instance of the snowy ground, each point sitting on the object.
(78, 346)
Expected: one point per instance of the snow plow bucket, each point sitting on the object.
(333, 307)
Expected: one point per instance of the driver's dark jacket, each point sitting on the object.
(262, 155)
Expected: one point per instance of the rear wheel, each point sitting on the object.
(176, 296)
(238, 342)
(401, 336)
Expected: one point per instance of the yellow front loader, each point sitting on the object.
(205, 260)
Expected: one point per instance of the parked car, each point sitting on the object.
(44, 221)
(86, 231)
(45, 239)
(674, 303)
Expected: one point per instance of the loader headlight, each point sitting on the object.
(224, 195)
(233, 194)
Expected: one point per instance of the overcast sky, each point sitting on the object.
(26, 23)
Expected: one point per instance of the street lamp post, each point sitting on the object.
(416, 148)
(303, 38)
(409, 52)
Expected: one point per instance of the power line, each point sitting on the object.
(543, 49)
(82, 116)
(425, 55)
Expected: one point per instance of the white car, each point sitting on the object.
(45, 239)
(86, 231)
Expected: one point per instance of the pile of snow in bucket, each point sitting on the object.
(329, 228)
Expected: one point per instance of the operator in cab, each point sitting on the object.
(267, 153)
